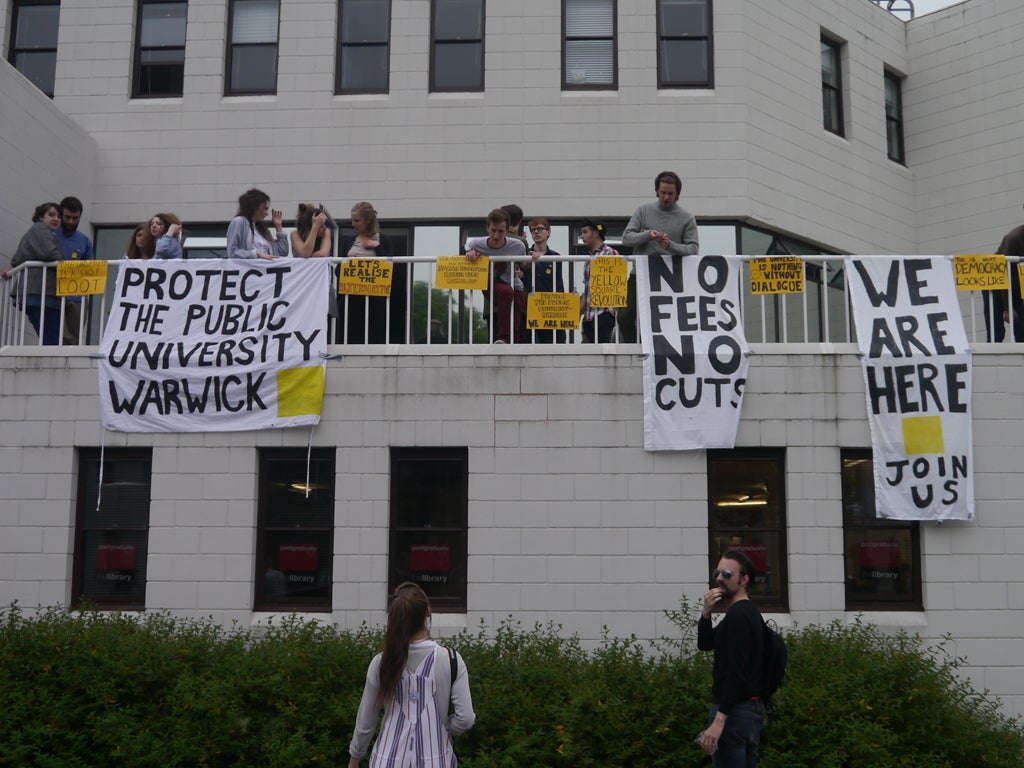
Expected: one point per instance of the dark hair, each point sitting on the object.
(70, 203)
(407, 616)
(746, 566)
(515, 214)
(167, 219)
(248, 203)
(669, 177)
(41, 210)
(133, 251)
(304, 218)
(594, 225)
(498, 216)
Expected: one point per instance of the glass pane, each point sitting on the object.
(115, 566)
(287, 503)
(762, 548)
(254, 68)
(364, 21)
(589, 62)
(879, 565)
(894, 139)
(458, 19)
(684, 17)
(892, 98)
(162, 73)
(830, 105)
(124, 495)
(717, 239)
(746, 493)
(829, 64)
(37, 26)
(364, 68)
(684, 61)
(431, 493)
(296, 564)
(589, 18)
(40, 68)
(433, 559)
(163, 24)
(458, 65)
(255, 21)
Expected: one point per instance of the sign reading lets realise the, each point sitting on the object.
(365, 277)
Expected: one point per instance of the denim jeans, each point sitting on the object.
(737, 747)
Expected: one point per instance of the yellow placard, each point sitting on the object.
(608, 275)
(553, 311)
(1020, 277)
(923, 434)
(980, 272)
(776, 274)
(81, 278)
(365, 277)
(457, 273)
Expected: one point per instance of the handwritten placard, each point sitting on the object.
(608, 275)
(81, 278)
(365, 277)
(553, 311)
(780, 274)
(980, 272)
(457, 273)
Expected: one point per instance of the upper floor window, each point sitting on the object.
(112, 537)
(295, 530)
(589, 55)
(457, 45)
(684, 44)
(832, 85)
(252, 47)
(746, 494)
(882, 558)
(160, 48)
(429, 521)
(364, 34)
(33, 51)
(894, 116)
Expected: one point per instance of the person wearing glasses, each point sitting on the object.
(737, 715)
(545, 277)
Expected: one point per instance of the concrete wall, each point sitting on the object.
(570, 519)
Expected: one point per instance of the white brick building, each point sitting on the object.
(563, 515)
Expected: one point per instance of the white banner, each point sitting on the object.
(917, 376)
(695, 353)
(215, 345)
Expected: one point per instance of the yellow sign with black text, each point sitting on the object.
(365, 277)
(81, 278)
(553, 311)
(457, 273)
(980, 272)
(776, 274)
(608, 276)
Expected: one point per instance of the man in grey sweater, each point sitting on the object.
(659, 227)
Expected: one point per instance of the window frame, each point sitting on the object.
(308, 604)
(13, 50)
(894, 122)
(745, 456)
(138, 51)
(836, 49)
(854, 602)
(614, 84)
(229, 55)
(459, 534)
(339, 90)
(435, 42)
(85, 498)
(663, 82)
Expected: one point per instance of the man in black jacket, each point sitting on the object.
(734, 730)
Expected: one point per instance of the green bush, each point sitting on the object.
(107, 689)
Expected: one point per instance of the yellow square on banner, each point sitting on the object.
(923, 434)
(300, 391)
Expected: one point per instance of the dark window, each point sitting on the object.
(457, 45)
(589, 57)
(429, 513)
(832, 86)
(252, 47)
(112, 537)
(894, 116)
(747, 512)
(684, 44)
(295, 530)
(882, 558)
(364, 32)
(34, 25)
(160, 48)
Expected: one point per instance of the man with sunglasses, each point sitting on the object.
(734, 729)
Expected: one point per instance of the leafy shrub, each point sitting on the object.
(89, 688)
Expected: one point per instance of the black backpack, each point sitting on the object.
(776, 656)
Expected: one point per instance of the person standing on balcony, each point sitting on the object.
(592, 235)
(248, 237)
(509, 298)
(545, 277)
(661, 226)
(165, 229)
(141, 245)
(1011, 245)
(74, 246)
(40, 244)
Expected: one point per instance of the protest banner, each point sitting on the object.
(776, 274)
(457, 273)
(81, 278)
(608, 276)
(695, 353)
(365, 277)
(212, 345)
(980, 272)
(553, 311)
(917, 377)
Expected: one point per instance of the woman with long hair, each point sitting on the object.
(165, 228)
(311, 238)
(141, 246)
(40, 244)
(248, 236)
(412, 679)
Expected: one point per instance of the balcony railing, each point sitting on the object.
(416, 313)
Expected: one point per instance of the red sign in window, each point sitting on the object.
(115, 557)
(879, 554)
(297, 557)
(430, 558)
(758, 554)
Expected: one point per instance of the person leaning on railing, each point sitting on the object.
(40, 244)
